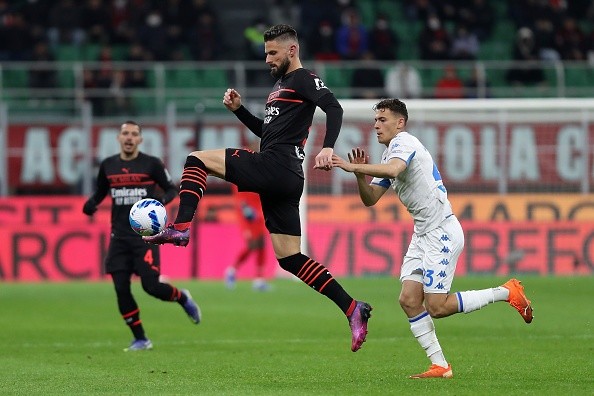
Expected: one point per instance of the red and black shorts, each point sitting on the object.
(132, 255)
(277, 177)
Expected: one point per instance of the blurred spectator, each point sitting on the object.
(126, 18)
(477, 86)
(136, 53)
(351, 36)
(254, 37)
(284, 11)
(174, 21)
(519, 12)
(205, 38)
(544, 39)
(448, 9)
(43, 75)
(105, 71)
(590, 49)
(419, 10)
(570, 41)
(98, 81)
(525, 50)
(120, 11)
(322, 46)
(118, 102)
(383, 41)
(313, 12)
(64, 24)
(478, 16)
(36, 14)
(368, 80)
(136, 77)
(96, 21)
(465, 44)
(449, 86)
(403, 81)
(434, 40)
(92, 93)
(153, 36)
(195, 9)
(15, 36)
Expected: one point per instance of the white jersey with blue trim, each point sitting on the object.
(419, 186)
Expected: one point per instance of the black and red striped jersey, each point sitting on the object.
(129, 181)
(290, 108)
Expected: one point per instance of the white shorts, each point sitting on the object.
(432, 257)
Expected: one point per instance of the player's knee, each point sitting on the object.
(409, 301)
(194, 158)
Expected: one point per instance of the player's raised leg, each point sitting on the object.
(199, 164)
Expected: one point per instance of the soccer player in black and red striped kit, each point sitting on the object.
(128, 177)
(276, 172)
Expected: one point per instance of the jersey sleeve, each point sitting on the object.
(163, 179)
(385, 183)
(102, 185)
(313, 89)
(310, 86)
(400, 147)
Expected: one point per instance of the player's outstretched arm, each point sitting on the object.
(358, 164)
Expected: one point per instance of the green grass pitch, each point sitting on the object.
(67, 338)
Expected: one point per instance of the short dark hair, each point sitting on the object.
(394, 105)
(282, 32)
(130, 122)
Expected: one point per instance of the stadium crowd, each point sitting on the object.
(452, 29)
(177, 30)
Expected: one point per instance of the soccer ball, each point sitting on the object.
(148, 217)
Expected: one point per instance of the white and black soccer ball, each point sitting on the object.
(148, 217)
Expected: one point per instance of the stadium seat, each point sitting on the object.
(367, 11)
(579, 81)
(216, 78)
(142, 103)
(15, 78)
(68, 53)
(181, 78)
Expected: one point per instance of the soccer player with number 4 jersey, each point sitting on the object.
(129, 177)
(429, 264)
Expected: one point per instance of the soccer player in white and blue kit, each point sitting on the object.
(429, 264)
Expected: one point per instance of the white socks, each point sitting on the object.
(424, 331)
(472, 300)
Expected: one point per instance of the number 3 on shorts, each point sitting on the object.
(429, 276)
